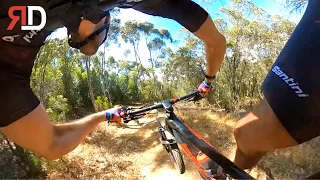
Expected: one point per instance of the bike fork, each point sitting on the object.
(163, 134)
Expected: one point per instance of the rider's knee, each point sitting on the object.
(238, 135)
(244, 145)
(243, 137)
(241, 130)
(260, 131)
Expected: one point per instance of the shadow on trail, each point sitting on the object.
(126, 143)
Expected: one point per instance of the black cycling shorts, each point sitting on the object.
(292, 87)
(17, 98)
(186, 12)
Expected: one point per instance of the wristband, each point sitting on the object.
(207, 83)
(109, 116)
(209, 77)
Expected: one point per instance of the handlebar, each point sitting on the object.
(133, 115)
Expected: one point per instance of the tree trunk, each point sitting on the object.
(105, 79)
(137, 65)
(103, 73)
(42, 88)
(153, 72)
(87, 60)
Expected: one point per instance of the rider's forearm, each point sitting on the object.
(215, 55)
(69, 135)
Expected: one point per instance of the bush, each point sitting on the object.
(102, 103)
(57, 108)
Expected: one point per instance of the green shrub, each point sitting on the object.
(57, 108)
(102, 103)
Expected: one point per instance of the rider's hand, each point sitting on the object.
(114, 115)
(204, 88)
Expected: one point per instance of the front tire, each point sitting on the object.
(176, 157)
(174, 152)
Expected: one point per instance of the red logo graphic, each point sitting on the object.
(23, 17)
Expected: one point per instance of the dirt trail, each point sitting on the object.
(133, 152)
(158, 165)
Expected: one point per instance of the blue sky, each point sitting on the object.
(273, 7)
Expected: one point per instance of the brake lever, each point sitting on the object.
(132, 118)
(197, 97)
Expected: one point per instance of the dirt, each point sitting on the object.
(131, 152)
(135, 152)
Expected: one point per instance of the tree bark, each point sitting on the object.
(103, 72)
(87, 60)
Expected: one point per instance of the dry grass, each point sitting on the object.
(294, 163)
